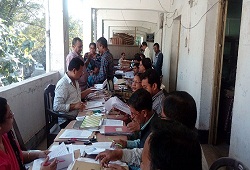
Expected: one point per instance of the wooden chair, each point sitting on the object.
(228, 162)
(18, 136)
(51, 117)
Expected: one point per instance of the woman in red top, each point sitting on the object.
(11, 156)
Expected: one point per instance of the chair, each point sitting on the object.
(110, 85)
(228, 162)
(18, 136)
(51, 117)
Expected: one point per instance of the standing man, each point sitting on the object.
(67, 92)
(146, 50)
(158, 59)
(76, 52)
(107, 64)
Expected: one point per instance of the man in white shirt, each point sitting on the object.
(146, 50)
(68, 92)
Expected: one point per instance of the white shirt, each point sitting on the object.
(147, 53)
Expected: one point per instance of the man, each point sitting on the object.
(152, 83)
(146, 50)
(76, 52)
(140, 104)
(68, 93)
(174, 147)
(177, 106)
(158, 59)
(107, 64)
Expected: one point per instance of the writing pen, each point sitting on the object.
(117, 144)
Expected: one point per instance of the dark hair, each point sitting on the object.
(3, 109)
(146, 62)
(137, 57)
(174, 147)
(103, 42)
(140, 76)
(144, 44)
(75, 63)
(142, 56)
(157, 45)
(122, 53)
(180, 106)
(75, 40)
(152, 77)
(136, 65)
(140, 100)
(92, 44)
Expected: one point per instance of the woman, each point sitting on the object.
(122, 58)
(145, 64)
(11, 156)
(136, 83)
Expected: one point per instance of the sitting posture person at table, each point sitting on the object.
(136, 68)
(136, 83)
(121, 58)
(140, 104)
(145, 64)
(11, 156)
(107, 64)
(68, 94)
(179, 106)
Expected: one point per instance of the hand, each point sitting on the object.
(79, 106)
(115, 167)
(109, 155)
(133, 126)
(49, 165)
(43, 154)
(119, 144)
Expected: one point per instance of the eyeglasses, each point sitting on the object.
(11, 115)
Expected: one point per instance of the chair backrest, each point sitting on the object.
(110, 85)
(228, 162)
(49, 94)
(18, 136)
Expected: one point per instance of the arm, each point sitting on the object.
(29, 156)
(133, 143)
(132, 156)
(102, 73)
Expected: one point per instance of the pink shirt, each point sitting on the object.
(8, 160)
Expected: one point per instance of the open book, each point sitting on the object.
(115, 102)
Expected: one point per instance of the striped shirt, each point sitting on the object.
(157, 102)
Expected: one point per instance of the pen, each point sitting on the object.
(117, 144)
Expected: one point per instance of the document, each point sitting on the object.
(115, 102)
(74, 133)
(129, 74)
(112, 122)
(61, 154)
(94, 104)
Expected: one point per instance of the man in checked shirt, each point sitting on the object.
(107, 64)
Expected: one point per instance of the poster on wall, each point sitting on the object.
(150, 37)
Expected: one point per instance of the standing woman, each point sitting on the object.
(11, 156)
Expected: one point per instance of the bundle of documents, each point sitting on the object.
(115, 102)
(76, 134)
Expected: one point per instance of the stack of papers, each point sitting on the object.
(115, 102)
(76, 134)
(64, 158)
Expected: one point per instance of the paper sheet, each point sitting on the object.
(115, 102)
(74, 133)
(112, 122)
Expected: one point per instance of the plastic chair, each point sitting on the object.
(228, 162)
(51, 117)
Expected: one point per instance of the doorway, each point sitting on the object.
(227, 72)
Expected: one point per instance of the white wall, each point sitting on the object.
(240, 133)
(195, 56)
(26, 101)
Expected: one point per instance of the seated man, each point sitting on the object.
(179, 106)
(140, 104)
(68, 93)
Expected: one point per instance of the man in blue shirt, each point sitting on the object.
(107, 64)
(157, 59)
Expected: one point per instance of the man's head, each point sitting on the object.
(156, 47)
(135, 68)
(145, 64)
(140, 104)
(92, 48)
(137, 58)
(180, 106)
(172, 147)
(102, 45)
(144, 45)
(75, 68)
(77, 45)
(151, 81)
